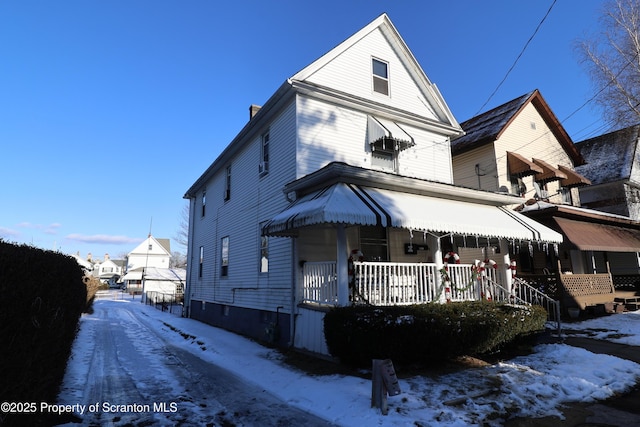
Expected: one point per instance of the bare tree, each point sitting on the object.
(182, 234)
(613, 61)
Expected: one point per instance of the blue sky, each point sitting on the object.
(110, 110)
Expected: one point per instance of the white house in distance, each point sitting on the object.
(350, 155)
(151, 252)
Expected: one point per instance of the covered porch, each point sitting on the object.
(363, 237)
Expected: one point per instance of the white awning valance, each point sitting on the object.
(358, 205)
(383, 134)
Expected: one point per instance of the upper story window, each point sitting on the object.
(380, 76)
(263, 168)
(201, 262)
(224, 257)
(204, 201)
(227, 184)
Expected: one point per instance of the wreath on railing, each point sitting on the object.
(446, 279)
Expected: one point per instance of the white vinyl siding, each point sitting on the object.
(351, 73)
(328, 132)
(253, 200)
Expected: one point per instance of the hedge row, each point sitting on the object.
(43, 296)
(423, 334)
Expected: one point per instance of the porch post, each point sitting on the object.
(439, 260)
(508, 278)
(342, 258)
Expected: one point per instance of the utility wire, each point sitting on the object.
(517, 59)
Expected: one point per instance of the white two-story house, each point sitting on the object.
(349, 160)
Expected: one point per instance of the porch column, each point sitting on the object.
(508, 278)
(342, 258)
(439, 260)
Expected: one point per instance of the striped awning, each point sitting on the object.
(351, 204)
(574, 179)
(549, 173)
(384, 134)
(521, 166)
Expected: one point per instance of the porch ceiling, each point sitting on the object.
(590, 236)
(351, 204)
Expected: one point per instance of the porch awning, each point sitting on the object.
(574, 179)
(384, 134)
(351, 204)
(549, 173)
(133, 275)
(520, 166)
(589, 236)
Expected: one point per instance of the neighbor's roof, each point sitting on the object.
(609, 157)
(489, 126)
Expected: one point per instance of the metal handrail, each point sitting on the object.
(534, 296)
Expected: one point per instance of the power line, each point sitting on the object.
(517, 59)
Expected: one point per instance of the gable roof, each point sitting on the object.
(609, 157)
(383, 23)
(296, 83)
(158, 247)
(489, 126)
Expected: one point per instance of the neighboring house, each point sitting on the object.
(351, 155)
(594, 241)
(162, 284)
(613, 166)
(109, 271)
(86, 265)
(520, 148)
(151, 252)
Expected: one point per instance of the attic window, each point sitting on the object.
(380, 76)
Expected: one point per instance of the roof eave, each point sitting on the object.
(266, 113)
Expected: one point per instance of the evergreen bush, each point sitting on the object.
(43, 296)
(426, 333)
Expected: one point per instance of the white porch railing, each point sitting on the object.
(392, 283)
(320, 283)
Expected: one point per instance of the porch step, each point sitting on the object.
(632, 306)
(627, 300)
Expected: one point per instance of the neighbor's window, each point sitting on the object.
(204, 201)
(224, 265)
(264, 155)
(380, 76)
(201, 262)
(264, 252)
(227, 184)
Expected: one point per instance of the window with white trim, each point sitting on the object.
(263, 168)
(264, 251)
(380, 70)
(227, 184)
(224, 257)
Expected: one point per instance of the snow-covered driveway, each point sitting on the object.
(126, 370)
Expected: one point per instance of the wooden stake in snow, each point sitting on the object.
(383, 382)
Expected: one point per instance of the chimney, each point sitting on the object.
(106, 257)
(253, 110)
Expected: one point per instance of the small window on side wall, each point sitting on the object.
(380, 76)
(224, 257)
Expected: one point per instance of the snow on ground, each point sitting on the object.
(535, 385)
